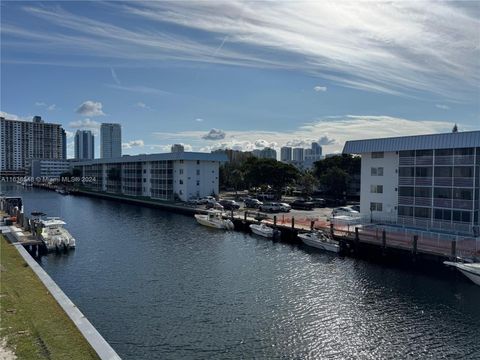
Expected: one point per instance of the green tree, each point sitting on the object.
(307, 183)
(335, 182)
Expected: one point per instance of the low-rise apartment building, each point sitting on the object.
(167, 176)
(424, 181)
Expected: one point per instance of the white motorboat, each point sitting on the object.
(55, 236)
(214, 219)
(319, 240)
(470, 270)
(263, 230)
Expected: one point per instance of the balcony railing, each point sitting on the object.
(462, 182)
(443, 181)
(424, 160)
(464, 159)
(463, 204)
(405, 180)
(423, 181)
(443, 160)
(405, 200)
(407, 161)
(442, 203)
(423, 201)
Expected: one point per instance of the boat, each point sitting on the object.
(263, 230)
(214, 219)
(319, 240)
(62, 191)
(54, 235)
(470, 270)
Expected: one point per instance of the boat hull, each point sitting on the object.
(318, 244)
(471, 271)
(258, 231)
(224, 224)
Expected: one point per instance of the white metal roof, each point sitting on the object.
(465, 139)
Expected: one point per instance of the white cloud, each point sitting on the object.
(15, 116)
(199, 120)
(214, 134)
(85, 124)
(260, 143)
(320, 88)
(40, 103)
(90, 108)
(392, 47)
(51, 107)
(332, 132)
(142, 105)
(442, 106)
(114, 76)
(132, 144)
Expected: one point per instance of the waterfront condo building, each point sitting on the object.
(265, 153)
(167, 176)
(425, 181)
(84, 145)
(110, 141)
(22, 141)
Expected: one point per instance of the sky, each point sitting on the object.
(242, 74)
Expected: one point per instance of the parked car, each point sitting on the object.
(270, 207)
(344, 211)
(285, 207)
(319, 202)
(253, 203)
(194, 201)
(229, 204)
(302, 205)
(214, 205)
(356, 207)
(206, 200)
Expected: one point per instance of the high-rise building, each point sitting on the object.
(265, 153)
(84, 145)
(286, 154)
(22, 141)
(316, 149)
(64, 144)
(177, 148)
(110, 141)
(298, 154)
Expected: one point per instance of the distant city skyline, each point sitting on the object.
(236, 76)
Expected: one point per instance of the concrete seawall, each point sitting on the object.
(94, 338)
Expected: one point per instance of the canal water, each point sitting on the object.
(158, 286)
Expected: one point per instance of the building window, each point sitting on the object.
(442, 214)
(442, 193)
(180, 171)
(462, 194)
(423, 192)
(407, 153)
(405, 211)
(376, 206)
(443, 152)
(405, 191)
(461, 216)
(443, 171)
(377, 171)
(376, 189)
(423, 171)
(377, 155)
(198, 162)
(180, 182)
(463, 171)
(422, 212)
(198, 171)
(420, 153)
(198, 182)
(406, 172)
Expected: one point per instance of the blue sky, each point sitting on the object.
(257, 73)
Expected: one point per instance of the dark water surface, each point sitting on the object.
(158, 286)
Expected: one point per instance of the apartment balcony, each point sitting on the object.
(443, 181)
(442, 203)
(424, 160)
(407, 161)
(405, 180)
(425, 181)
(405, 200)
(462, 182)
